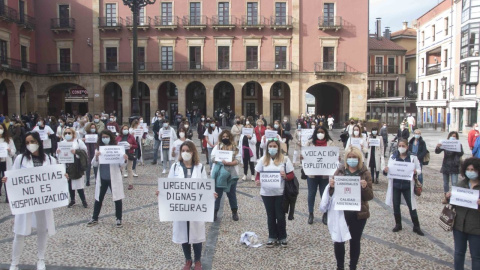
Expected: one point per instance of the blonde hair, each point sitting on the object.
(74, 134)
(278, 159)
(355, 151)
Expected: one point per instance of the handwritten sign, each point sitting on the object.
(374, 142)
(43, 134)
(144, 127)
(400, 170)
(222, 155)
(247, 131)
(270, 134)
(347, 193)
(124, 144)
(356, 142)
(112, 129)
(36, 189)
(321, 160)
(166, 133)
(270, 180)
(451, 145)
(111, 154)
(186, 199)
(65, 156)
(306, 134)
(465, 197)
(3, 150)
(91, 138)
(47, 144)
(138, 132)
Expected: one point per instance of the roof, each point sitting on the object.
(411, 52)
(383, 44)
(409, 32)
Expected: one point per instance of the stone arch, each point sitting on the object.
(143, 98)
(252, 99)
(67, 97)
(168, 98)
(7, 95)
(112, 92)
(329, 98)
(27, 98)
(196, 98)
(279, 101)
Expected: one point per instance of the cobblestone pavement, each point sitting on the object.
(145, 243)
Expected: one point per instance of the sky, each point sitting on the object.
(394, 12)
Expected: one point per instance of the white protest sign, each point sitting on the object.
(111, 154)
(43, 134)
(374, 142)
(112, 129)
(465, 197)
(65, 156)
(124, 144)
(306, 134)
(321, 160)
(138, 132)
(356, 142)
(247, 131)
(270, 134)
(222, 155)
(347, 193)
(186, 199)
(166, 133)
(36, 189)
(47, 144)
(3, 150)
(270, 180)
(400, 170)
(451, 145)
(91, 138)
(144, 127)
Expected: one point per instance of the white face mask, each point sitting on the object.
(33, 147)
(402, 150)
(248, 122)
(1, 131)
(181, 134)
(141, 121)
(356, 132)
(320, 136)
(186, 156)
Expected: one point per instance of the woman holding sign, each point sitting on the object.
(375, 154)
(450, 164)
(33, 156)
(211, 135)
(8, 147)
(259, 133)
(466, 227)
(127, 138)
(347, 224)
(272, 193)
(47, 136)
(399, 187)
(264, 140)
(248, 145)
(357, 140)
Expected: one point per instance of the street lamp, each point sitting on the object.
(135, 6)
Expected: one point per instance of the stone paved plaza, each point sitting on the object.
(145, 243)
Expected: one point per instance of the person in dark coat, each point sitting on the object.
(402, 133)
(450, 164)
(418, 147)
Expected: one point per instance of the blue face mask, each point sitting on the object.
(452, 138)
(106, 140)
(93, 130)
(68, 137)
(212, 125)
(472, 175)
(352, 162)
(165, 125)
(275, 126)
(39, 123)
(272, 151)
(417, 136)
(125, 132)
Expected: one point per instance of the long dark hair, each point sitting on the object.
(315, 132)
(113, 140)
(41, 152)
(6, 134)
(475, 162)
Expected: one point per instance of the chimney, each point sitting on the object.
(405, 25)
(386, 35)
(379, 28)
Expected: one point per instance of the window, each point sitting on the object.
(445, 58)
(407, 66)
(445, 23)
(429, 89)
(252, 13)
(141, 17)
(378, 65)
(195, 57)
(328, 14)
(223, 57)
(167, 13)
(223, 13)
(328, 58)
(167, 58)
(422, 36)
(111, 58)
(470, 9)
(64, 59)
(64, 15)
(280, 57)
(423, 91)
(391, 65)
(252, 57)
(195, 14)
(24, 56)
(281, 13)
(433, 33)
(470, 40)
(470, 89)
(469, 72)
(141, 58)
(111, 14)
(21, 11)
(378, 87)
(423, 65)
(3, 52)
(391, 88)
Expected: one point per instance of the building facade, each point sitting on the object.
(252, 55)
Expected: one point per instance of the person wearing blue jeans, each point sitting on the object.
(231, 195)
(317, 182)
(450, 164)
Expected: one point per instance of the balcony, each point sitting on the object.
(252, 22)
(194, 22)
(110, 23)
(27, 22)
(143, 23)
(385, 70)
(330, 68)
(166, 22)
(8, 14)
(224, 22)
(434, 69)
(16, 65)
(62, 24)
(281, 22)
(330, 23)
(63, 68)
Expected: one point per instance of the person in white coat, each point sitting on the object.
(108, 176)
(47, 143)
(248, 147)
(357, 140)
(182, 132)
(167, 136)
(189, 233)
(211, 136)
(264, 140)
(6, 162)
(398, 187)
(33, 156)
(375, 155)
(330, 121)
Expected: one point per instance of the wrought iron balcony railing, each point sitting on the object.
(62, 24)
(63, 68)
(326, 23)
(8, 14)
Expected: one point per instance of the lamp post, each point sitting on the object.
(135, 6)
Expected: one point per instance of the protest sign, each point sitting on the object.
(222, 155)
(400, 170)
(166, 133)
(3, 150)
(47, 144)
(374, 142)
(356, 142)
(36, 189)
(43, 134)
(271, 180)
(111, 154)
(91, 138)
(465, 197)
(65, 156)
(451, 145)
(144, 127)
(124, 144)
(112, 129)
(138, 132)
(270, 134)
(186, 199)
(347, 193)
(320, 160)
(247, 131)
(306, 134)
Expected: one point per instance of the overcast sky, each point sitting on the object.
(394, 12)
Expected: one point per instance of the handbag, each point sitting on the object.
(426, 158)
(418, 186)
(303, 176)
(447, 217)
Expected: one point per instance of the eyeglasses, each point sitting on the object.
(273, 139)
(67, 133)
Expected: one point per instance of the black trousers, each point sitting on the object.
(104, 185)
(355, 226)
(81, 193)
(259, 150)
(246, 162)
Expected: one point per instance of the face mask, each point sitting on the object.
(96, 120)
(186, 156)
(385, 126)
(352, 162)
(165, 125)
(157, 114)
(284, 120)
(275, 126)
(272, 151)
(68, 137)
(39, 123)
(49, 120)
(125, 132)
(313, 127)
(111, 120)
(238, 122)
(320, 136)
(356, 132)
(61, 124)
(203, 119)
(226, 141)
(106, 140)
(186, 126)
(93, 130)
(248, 122)
(1, 131)
(417, 136)
(212, 125)
(181, 134)
(476, 128)
(374, 132)
(33, 147)
(472, 175)
(141, 121)
(452, 138)
(402, 150)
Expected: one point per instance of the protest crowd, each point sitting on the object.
(343, 171)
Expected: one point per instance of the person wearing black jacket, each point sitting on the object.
(402, 133)
(418, 147)
(156, 128)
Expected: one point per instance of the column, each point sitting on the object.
(465, 118)
(153, 86)
(419, 117)
(126, 100)
(457, 119)
(266, 101)
(238, 98)
(209, 95)
(182, 103)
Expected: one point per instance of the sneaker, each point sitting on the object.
(92, 222)
(125, 175)
(154, 162)
(85, 204)
(284, 243)
(119, 223)
(72, 203)
(135, 174)
(41, 265)
(244, 178)
(270, 244)
(130, 187)
(164, 171)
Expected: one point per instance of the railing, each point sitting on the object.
(253, 21)
(11, 64)
(232, 66)
(7, 13)
(27, 21)
(330, 67)
(142, 21)
(62, 23)
(223, 20)
(330, 22)
(434, 69)
(391, 93)
(63, 68)
(281, 20)
(110, 22)
(167, 21)
(195, 20)
(390, 69)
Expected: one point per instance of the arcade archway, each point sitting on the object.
(67, 97)
(6, 89)
(113, 99)
(143, 100)
(168, 98)
(196, 97)
(329, 99)
(252, 99)
(279, 101)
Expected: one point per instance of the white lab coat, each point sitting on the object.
(379, 155)
(173, 137)
(197, 228)
(49, 131)
(252, 143)
(212, 138)
(389, 197)
(13, 150)
(78, 144)
(116, 178)
(337, 225)
(363, 144)
(25, 222)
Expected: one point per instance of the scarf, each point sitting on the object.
(321, 142)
